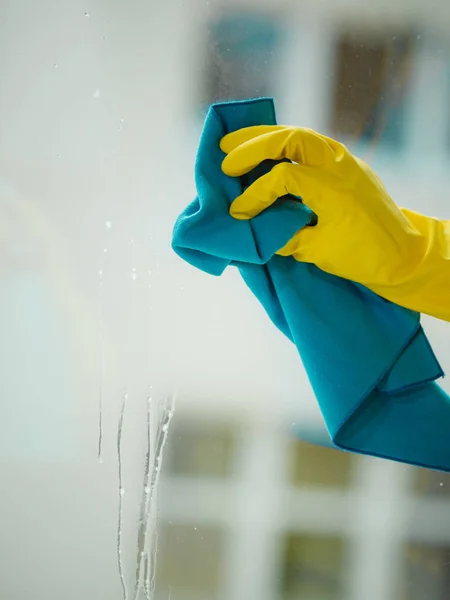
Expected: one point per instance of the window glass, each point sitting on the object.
(431, 483)
(201, 449)
(242, 53)
(154, 422)
(426, 572)
(371, 81)
(190, 561)
(314, 465)
(313, 568)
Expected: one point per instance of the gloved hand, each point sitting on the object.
(361, 234)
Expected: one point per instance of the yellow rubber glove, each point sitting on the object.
(361, 234)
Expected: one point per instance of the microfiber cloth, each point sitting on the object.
(369, 362)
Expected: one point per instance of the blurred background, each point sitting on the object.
(101, 107)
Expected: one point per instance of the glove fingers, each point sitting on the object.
(302, 146)
(284, 178)
(232, 140)
(301, 246)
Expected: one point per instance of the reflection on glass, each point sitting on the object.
(201, 449)
(371, 80)
(427, 572)
(313, 568)
(318, 466)
(431, 483)
(190, 561)
(240, 56)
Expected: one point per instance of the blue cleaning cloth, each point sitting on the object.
(368, 360)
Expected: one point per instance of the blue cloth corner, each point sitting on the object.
(368, 360)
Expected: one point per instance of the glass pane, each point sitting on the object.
(427, 572)
(318, 466)
(108, 485)
(201, 449)
(370, 86)
(241, 55)
(431, 483)
(190, 561)
(313, 568)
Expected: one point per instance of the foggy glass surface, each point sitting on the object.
(101, 106)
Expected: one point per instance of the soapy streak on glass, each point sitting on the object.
(159, 417)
